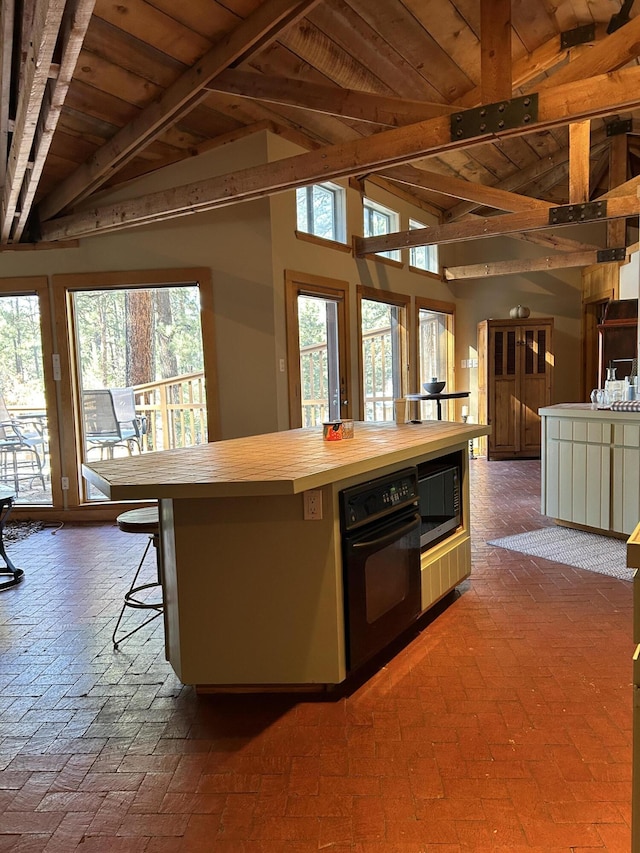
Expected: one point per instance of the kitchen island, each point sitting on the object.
(591, 467)
(253, 590)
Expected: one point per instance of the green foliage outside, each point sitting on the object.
(21, 352)
(176, 347)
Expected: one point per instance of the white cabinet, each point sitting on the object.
(625, 477)
(591, 467)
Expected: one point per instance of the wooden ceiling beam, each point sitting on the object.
(481, 194)
(44, 34)
(592, 98)
(554, 241)
(618, 161)
(532, 65)
(521, 267)
(74, 27)
(7, 12)
(257, 31)
(482, 227)
(551, 167)
(330, 100)
(495, 50)
(609, 54)
(579, 161)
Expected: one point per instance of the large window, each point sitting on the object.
(380, 220)
(25, 426)
(384, 352)
(320, 211)
(317, 349)
(423, 257)
(138, 358)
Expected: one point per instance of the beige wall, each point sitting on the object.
(556, 293)
(249, 246)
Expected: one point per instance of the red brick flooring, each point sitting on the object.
(504, 726)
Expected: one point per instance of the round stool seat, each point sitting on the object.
(144, 520)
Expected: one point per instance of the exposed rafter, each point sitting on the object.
(37, 64)
(482, 227)
(495, 50)
(558, 106)
(522, 266)
(330, 100)
(545, 172)
(7, 11)
(261, 28)
(485, 196)
(74, 27)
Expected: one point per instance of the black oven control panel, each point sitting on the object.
(377, 498)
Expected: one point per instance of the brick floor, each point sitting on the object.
(505, 725)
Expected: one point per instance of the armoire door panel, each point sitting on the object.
(515, 365)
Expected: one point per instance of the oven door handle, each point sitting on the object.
(382, 541)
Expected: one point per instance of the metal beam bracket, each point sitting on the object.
(493, 118)
(605, 256)
(578, 35)
(619, 126)
(587, 212)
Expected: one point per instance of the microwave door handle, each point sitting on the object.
(381, 541)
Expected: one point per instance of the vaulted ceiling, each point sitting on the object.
(97, 92)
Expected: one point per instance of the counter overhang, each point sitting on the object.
(279, 463)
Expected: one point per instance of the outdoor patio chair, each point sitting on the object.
(110, 420)
(22, 448)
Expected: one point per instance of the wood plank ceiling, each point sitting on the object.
(97, 92)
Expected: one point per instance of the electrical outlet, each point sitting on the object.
(64, 483)
(312, 505)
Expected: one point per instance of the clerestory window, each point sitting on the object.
(321, 211)
(423, 257)
(380, 220)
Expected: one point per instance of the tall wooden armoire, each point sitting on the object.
(515, 379)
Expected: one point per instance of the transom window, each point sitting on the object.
(321, 211)
(423, 257)
(381, 220)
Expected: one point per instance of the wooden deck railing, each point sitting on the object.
(175, 410)
(378, 403)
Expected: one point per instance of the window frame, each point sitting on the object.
(438, 307)
(371, 206)
(415, 225)
(64, 285)
(398, 300)
(305, 284)
(339, 211)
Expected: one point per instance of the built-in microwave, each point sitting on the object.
(440, 499)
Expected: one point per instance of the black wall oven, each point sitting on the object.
(380, 525)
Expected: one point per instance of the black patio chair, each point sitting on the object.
(110, 420)
(22, 448)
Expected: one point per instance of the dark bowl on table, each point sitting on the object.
(433, 387)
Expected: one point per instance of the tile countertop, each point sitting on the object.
(277, 463)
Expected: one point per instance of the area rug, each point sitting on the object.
(16, 531)
(573, 548)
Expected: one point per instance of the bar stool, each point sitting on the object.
(144, 520)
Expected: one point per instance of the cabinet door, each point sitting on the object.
(535, 384)
(503, 389)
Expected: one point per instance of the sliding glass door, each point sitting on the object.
(28, 427)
